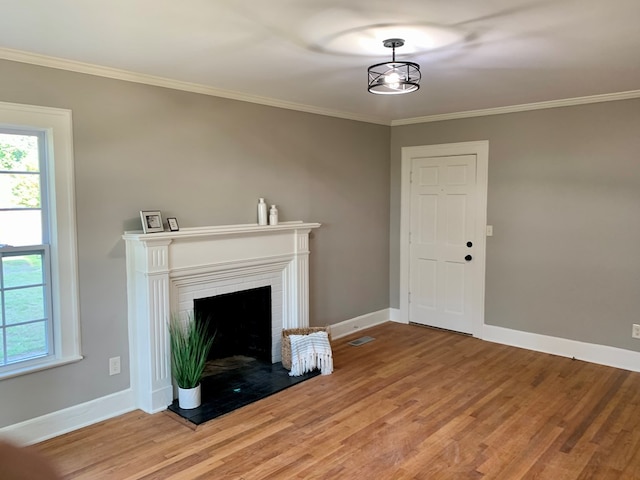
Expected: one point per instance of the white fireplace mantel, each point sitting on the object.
(166, 271)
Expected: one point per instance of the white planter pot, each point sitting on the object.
(189, 397)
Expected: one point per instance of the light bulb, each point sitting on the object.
(392, 78)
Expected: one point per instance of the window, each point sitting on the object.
(38, 279)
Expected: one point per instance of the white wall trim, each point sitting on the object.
(57, 124)
(78, 416)
(589, 352)
(565, 102)
(129, 76)
(63, 421)
(481, 150)
(353, 325)
(134, 77)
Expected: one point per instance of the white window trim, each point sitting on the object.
(64, 269)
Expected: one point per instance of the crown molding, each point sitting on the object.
(134, 77)
(567, 102)
(129, 76)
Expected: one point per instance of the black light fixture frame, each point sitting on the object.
(394, 78)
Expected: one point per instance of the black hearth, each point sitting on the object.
(227, 391)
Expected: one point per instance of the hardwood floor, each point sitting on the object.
(416, 403)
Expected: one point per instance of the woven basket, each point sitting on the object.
(286, 341)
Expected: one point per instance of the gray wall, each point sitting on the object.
(204, 160)
(564, 200)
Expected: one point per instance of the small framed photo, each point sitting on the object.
(151, 221)
(173, 224)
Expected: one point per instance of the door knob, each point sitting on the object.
(469, 244)
(468, 258)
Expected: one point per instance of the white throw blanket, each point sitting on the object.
(309, 352)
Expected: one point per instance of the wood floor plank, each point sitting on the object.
(416, 403)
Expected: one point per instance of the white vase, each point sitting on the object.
(189, 398)
(262, 212)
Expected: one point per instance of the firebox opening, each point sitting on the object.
(241, 322)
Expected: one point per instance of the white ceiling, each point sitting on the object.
(293, 52)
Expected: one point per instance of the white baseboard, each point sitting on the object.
(63, 421)
(72, 418)
(360, 323)
(589, 352)
(69, 419)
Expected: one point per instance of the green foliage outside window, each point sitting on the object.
(25, 187)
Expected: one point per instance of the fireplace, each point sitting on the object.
(239, 322)
(168, 272)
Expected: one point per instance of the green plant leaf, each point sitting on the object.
(190, 344)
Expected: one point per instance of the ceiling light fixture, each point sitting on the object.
(393, 78)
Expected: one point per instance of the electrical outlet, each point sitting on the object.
(114, 366)
(635, 331)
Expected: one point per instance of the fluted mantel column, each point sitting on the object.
(149, 308)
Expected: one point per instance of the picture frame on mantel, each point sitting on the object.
(151, 221)
(173, 224)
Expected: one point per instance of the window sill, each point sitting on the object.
(16, 372)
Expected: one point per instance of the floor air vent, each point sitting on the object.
(360, 341)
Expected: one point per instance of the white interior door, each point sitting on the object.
(443, 241)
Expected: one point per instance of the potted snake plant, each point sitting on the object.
(190, 344)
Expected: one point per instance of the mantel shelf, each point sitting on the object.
(250, 228)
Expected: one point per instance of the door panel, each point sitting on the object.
(454, 294)
(428, 217)
(428, 280)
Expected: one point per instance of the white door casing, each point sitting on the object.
(441, 210)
